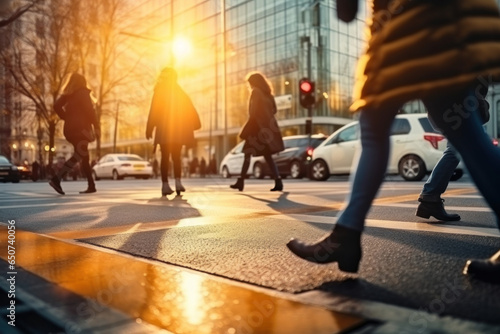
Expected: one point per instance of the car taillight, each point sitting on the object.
(433, 138)
(310, 151)
(495, 141)
(126, 165)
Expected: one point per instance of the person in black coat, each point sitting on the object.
(261, 132)
(175, 119)
(76, 108)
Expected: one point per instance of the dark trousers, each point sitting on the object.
(170, 151)
(80, 154)
(269, 160)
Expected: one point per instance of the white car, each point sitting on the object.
(415, 149)
(232, 162)
(117, 166)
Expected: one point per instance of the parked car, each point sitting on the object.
(118, 166)
(24, 172)
(415, 149)
(232, 162)
(290, 162)
(294, 160)
(8, 171)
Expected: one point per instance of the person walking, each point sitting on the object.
(261, 132)
(174, 118)
(418, 50)
(430, 201)
(76, 108)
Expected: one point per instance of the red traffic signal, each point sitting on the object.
(306, 86)
(306, 93)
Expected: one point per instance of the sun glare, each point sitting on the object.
(181, 47)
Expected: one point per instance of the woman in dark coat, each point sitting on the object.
(436, 51)
(174, 117)
(75, 107)
(261, 132)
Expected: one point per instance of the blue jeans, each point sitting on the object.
(458, 118)
(440, 176)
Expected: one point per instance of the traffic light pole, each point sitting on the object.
(309, 75)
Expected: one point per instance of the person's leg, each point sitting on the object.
(461, 124)
(371, 168)
(343, 245)
(240, 183)
(164, 169)
(278, 183)
(176, 162)
(440, 176)
(465, 132)
(55, 181)
(430, 200)
(83, 150)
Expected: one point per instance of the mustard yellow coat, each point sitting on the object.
(421, 49)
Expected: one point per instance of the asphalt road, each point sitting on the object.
(410, 273)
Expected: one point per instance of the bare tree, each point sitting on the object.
(65, 36)
(105, 55)
(12, 16)
(39, 58)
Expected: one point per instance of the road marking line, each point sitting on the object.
(449, 208)
(401, 225)
(413, 197)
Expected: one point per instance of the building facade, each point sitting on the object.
(285, 40)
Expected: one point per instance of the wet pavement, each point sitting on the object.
(84, 289)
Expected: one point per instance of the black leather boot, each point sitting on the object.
(240, 183)
(343, 246)
(435, 208)
(56, 184)
(488, 269)
(278, 185)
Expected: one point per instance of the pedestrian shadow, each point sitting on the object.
(286, 206)
(361, 289)
(464, 246)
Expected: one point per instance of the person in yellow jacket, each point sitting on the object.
(435, 51)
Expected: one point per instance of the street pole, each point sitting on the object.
(224, 83)
(116, 126)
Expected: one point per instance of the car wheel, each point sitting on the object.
(116, 176)
(94, 174)
(412, 168)
(258, 173)
(225, 173)
(319, 171)
(457, 174)
(295, 170)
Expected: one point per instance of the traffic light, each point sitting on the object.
(306, 93)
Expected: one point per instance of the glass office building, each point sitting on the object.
(286, 40)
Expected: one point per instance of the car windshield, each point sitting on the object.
(3, 160)
(129, 158)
